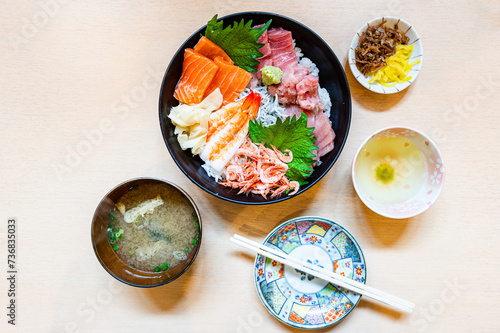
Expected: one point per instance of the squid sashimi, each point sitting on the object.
(226, 139)
(230, 79)
(197, 73)
(211, 50)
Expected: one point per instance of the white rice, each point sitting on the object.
(298, 51)
(313, 69)
(324, 96)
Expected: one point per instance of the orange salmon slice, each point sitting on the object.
(211, 50)
(197, 73)
(230, 79)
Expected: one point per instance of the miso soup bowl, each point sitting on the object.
(431, 180)
(110, 260)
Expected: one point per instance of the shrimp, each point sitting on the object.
(284, 158)
(227, 130)
(259, 170)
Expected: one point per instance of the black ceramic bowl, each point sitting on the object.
(331, 77)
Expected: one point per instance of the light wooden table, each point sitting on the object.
(79, 83)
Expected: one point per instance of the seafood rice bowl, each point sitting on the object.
(255, 108)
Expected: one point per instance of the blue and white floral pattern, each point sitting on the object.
(318, 309)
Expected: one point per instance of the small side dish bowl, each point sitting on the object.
(301, 300)
(398, 172)
(416, 54)
(110, 260)
(332, 78)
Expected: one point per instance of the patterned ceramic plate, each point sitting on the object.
(299, 299)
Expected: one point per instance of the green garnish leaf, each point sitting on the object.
(112, 215)
(157, 269)
(238, 41)
(292, 134)
(164, 266)
(115, 248)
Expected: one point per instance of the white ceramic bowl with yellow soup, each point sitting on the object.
(398, 172)
(416, 56)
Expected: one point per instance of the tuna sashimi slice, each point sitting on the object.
(324, 134)
(323, 131)
(308, 94)
(293, 110)
(263, 39)
(211, 50)
(197, 73)
(325, 140)
(321, 126)
(265, 50)
(286, 90)
(285, 61)
(325, 150)
(282, 49)
(265, 60)
(280, 38)
(230, 79)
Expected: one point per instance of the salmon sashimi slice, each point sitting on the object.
(197, 73)
(230, 79)
(225, 141)
(211, 50)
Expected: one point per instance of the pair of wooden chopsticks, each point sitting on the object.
(324, 274)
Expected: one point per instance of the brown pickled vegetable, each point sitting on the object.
(375, 45)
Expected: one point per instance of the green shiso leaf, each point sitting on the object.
(239, 41)
(292, 134)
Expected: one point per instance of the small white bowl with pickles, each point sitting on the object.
(416, 57)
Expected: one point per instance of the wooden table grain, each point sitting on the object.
(79, 84)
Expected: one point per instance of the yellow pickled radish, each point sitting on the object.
(396, 69)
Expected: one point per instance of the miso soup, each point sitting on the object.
(153, 227)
